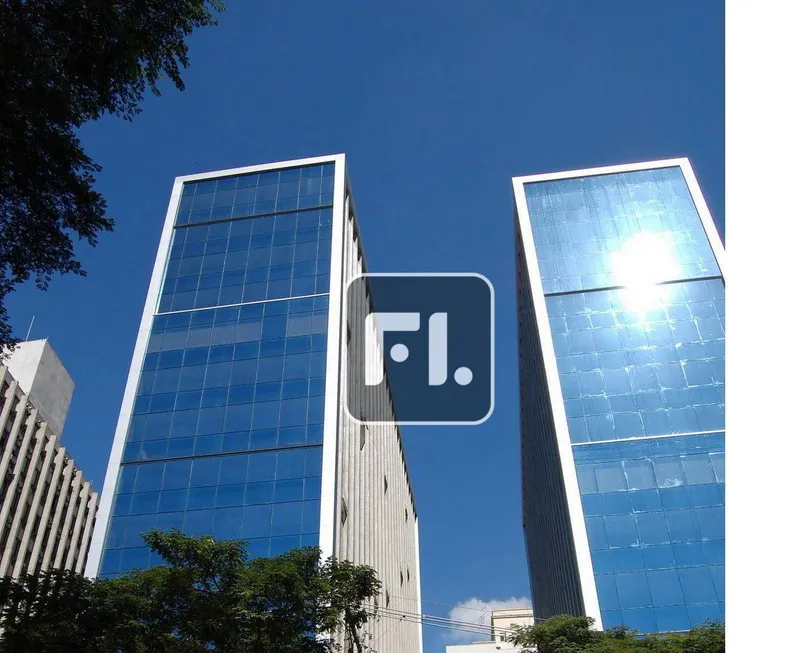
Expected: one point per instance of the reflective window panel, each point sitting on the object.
(257, 193)
(655, 517)
(641, 362)
(611, 230)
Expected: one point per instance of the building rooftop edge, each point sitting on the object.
(260, 167)
(600, 170)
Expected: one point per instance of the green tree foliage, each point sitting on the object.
(567, 634)
(63, 63)
(561, 634)
(207, 597)
(41, 611)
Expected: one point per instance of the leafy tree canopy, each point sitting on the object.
(207, 597)
(567, 634)
(63, 63)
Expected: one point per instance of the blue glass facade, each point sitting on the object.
(654, 513)
(226, 432)
(629, 373)
(635, 301)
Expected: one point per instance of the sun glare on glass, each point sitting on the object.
(644, 261)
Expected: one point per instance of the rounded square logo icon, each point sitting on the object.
(420, 348)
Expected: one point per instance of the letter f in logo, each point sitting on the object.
(376, 324)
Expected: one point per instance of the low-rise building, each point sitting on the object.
(47, 507)
(501, 624)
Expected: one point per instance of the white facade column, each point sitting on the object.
(8, 399)
(93, 506)
(21, 503)
(52, 493)
(10, 502)
(15, 427)
(65, 539)
(79, 522)
(49, 453)
(63, 492)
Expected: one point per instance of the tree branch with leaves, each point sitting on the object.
(206, 597)
(64, 63)
(569, 634)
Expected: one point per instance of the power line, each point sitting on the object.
(407, 616)
(460, 607)
(450, 605)
(389, 628)
(444, 622)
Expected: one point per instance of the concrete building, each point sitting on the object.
(503, 620)
(501, 623)
(47, 508)
(483, 647)
(621, 300)
(42, 377)
(233, 422)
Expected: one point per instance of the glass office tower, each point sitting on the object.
(620, 287)
(232, 422)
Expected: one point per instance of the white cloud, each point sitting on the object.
(478, 612)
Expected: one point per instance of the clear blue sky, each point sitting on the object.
(437, 103)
